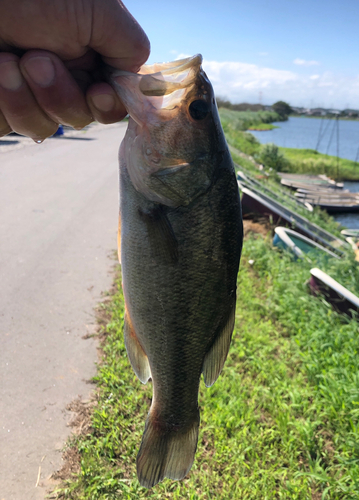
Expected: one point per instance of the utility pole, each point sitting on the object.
(337, 146)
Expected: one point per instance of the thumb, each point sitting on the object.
(117, 36)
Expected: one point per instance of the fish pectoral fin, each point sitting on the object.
(181, 183)
(163, 242)
(166, 451)
(216, 356)
(136, 354)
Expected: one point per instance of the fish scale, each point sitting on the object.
(181, 239)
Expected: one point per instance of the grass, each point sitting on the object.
(263, 126)
(281, 422)
(318, 216)
(309, 160)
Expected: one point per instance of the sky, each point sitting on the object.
(303, 52)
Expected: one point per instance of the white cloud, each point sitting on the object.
(183, 56)
(242, 82)
(303, 62)
(263, 53)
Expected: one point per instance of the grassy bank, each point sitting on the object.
(262, 126)
(309, 160)
(289, 159)
(281, 422)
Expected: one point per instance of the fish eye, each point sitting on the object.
(198, 109)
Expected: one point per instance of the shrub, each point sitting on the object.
(271, 157)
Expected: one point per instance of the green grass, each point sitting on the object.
(281, 422)
(318, 216)
(262, 126)
(309, 160)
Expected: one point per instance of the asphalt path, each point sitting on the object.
(58, 224)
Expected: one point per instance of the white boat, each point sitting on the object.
(336, 294)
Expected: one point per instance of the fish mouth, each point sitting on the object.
(158, 87)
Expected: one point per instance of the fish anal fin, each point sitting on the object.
(166, 451)
(217, 354)
(161, 236)
(136, 354)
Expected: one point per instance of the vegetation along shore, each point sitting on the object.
(237, 123)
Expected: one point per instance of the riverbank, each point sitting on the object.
(280, 422)
(262, 126)
(290, 159)
(326, 117)
(310, 161)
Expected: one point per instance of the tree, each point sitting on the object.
(282, 108)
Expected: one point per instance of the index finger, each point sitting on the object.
(118, 37)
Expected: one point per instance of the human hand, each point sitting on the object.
(51, 55)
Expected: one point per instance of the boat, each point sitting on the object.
(351, 233)
(336, 294)
(254, 203)
(282, 195)
(334, 206)
(296, 181)
(333, 201)
(300, 245)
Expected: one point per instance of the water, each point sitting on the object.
(304, 132)
(350, 221)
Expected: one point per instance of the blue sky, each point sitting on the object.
(304, 52)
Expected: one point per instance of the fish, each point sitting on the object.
(180, 241)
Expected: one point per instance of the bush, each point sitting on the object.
(271, 157)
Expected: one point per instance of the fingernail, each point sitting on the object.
(103, 102)
(10, 75)
(41, 70)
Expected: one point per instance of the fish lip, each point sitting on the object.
(155, 88)
(167, 68)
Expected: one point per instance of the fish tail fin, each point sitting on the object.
(166, 451)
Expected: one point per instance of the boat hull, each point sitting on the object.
(252, 203)
(300, 245)
(341, 299)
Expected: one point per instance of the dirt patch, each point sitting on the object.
(81, 422)
(258, 227)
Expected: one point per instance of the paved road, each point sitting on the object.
(58, 223)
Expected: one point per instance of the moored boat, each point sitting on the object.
(333, 201)
(336, 294)
(296, 181)
(299, 244)
(352, 233)
(281, 194)
(253, 203)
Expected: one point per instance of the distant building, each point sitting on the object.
(317, 112)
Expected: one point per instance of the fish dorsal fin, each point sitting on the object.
(136, 354)
(216, 356)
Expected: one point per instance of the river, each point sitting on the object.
(305, 132)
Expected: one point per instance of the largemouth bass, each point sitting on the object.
(180, 241)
